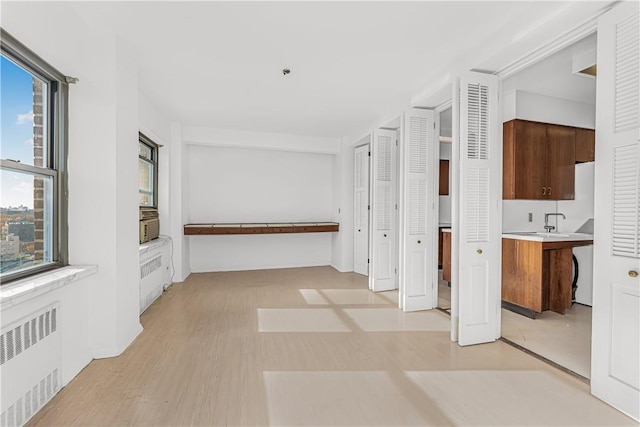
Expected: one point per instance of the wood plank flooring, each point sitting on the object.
(312, 346)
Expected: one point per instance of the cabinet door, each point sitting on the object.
(585, 145)
(444, 178)
(530, 158)
(561, 169)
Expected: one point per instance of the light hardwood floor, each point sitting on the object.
(313, 346)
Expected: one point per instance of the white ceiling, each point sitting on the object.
(218, 64)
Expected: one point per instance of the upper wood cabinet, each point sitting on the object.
(585, 145)
(444, 178)
(538, 161)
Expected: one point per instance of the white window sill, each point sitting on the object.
(154, 244)
(32, 287)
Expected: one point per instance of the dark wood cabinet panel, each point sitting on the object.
(538, 161)
(561, 169)
(446, 256)
(522, 265)
(444, 178)
(585, 145)
(537, 275)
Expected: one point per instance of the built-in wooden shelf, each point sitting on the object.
(264, 228)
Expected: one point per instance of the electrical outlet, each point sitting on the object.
(530, 217)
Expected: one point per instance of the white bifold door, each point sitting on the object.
(361, 210)
(615, 353)
(417, 213)
(477, 216)
(382, 248)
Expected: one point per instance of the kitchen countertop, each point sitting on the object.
(542, 237)
(548, 237)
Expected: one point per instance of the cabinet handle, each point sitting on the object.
(544, 191)
(549, 191)
(384, 235)
(633, 273)
(419, 241)
(479, 251)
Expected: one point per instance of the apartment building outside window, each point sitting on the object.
(33, 152)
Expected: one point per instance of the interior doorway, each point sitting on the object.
(361, 209)
(556, 94)
(444, 211)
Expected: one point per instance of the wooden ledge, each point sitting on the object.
(264, 228)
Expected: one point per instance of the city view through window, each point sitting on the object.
(26, 199)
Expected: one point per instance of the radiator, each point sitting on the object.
(154, 278)
(30, 365)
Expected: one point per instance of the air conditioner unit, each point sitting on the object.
(149, 225)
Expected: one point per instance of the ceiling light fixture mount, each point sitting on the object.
(285, 71)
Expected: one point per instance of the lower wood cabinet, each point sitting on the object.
(446, 256)
(537, 275)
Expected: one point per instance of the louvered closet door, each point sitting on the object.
(480, 215)
(361, 209)
(383, 214)
(615, 360)
(418, 229)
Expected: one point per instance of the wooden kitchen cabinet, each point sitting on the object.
(536, 276)
(446, 256)
(538, 161)
(585, 145)
(444, 178)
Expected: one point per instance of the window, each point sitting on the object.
(147, 172)
(33, 205)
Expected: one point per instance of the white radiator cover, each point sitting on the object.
(30, 364)
(155, 270)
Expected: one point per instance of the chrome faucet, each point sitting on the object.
(546, 220)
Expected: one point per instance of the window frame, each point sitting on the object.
(56, 128)
(154, 147)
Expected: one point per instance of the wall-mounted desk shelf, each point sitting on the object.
(264, 228)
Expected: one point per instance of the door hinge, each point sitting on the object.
(369, 153)
(434, 125)
(367, 260)
(395, 271)
(396, 206)
(368, 207)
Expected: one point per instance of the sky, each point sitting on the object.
(16, 132)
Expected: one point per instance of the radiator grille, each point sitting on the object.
(27, 334)
(25, 407)
(150, 266)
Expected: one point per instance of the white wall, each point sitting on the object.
(547, 109)
(99, 314)
(230, 185)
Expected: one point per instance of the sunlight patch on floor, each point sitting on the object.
(313, 297)
(393, 319)
(353, 296)
(299, 320)
(471, 398)
(337, 398)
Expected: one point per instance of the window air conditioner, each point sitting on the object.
(149, 225)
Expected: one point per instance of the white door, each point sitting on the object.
(615, 355)
(418, 228)
(478, 231)
(383, 214)
(361, 209)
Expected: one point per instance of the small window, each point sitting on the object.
(147, 172)
(33, 207)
